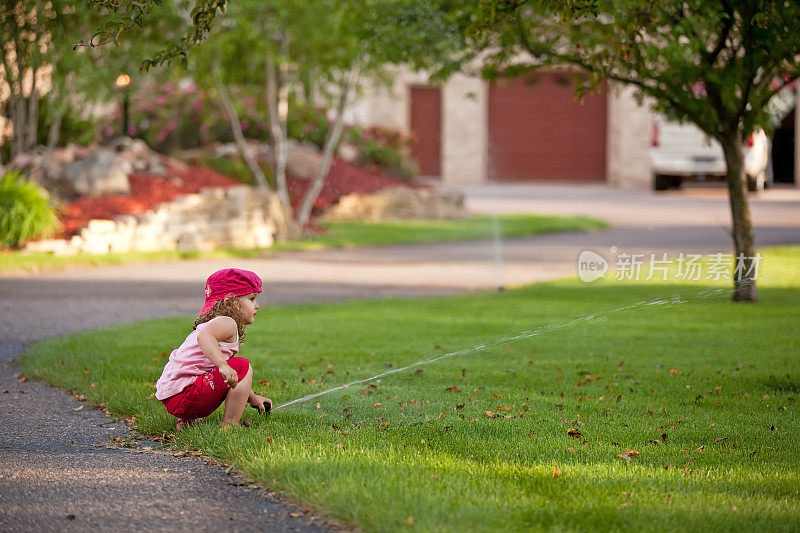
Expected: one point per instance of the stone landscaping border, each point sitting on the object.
(233, 217)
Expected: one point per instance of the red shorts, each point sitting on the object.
(208, 391)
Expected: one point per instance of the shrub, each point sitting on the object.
(307, 123)
(25, 211)
(390, 160)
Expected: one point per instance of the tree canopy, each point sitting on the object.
(716, 64)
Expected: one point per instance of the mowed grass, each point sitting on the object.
(531, 426)
(354, 234)
(335, 235)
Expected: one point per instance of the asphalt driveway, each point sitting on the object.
(58, 471)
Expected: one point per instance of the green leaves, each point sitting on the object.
(25, 211)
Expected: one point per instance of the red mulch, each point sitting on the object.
(148, 190)
(344, 178)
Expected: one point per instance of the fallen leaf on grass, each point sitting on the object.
(409, 521)
(574, 433)
(701, 449)
(587, 379)
(453, 389)
(720, 439)
(556, 472)
(627, 454)
(623, 505)
(504, 408)
(270, 440)
(490, 414)
(674, 372)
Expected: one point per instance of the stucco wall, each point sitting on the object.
(465, 134)
(629, 126)
(464, 131)
(463, 156)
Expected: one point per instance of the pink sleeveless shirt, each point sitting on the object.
(188, 362)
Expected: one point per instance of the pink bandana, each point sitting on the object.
(229, 282)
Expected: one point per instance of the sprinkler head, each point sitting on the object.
(267, 407)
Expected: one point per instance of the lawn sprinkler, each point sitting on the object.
(267, 407)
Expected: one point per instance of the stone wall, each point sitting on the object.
(236, 217)
(629, 130)
(399, 204)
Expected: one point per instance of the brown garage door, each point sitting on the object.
(539, 131)
(426, 128)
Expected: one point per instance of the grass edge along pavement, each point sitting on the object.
(676, 413)
(337, 235)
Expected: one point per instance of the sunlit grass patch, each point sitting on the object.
(562, 374)
(336, 235)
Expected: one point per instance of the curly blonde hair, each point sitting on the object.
(226, 307)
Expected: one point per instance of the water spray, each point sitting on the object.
(503, 340)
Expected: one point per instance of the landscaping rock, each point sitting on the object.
(138, 154)
(101, 174)
(237, 217)
(399, 204)
(303, 160)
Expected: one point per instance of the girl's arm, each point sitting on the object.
(224, 330)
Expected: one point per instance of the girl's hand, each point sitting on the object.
(230, 375)
(258, 402)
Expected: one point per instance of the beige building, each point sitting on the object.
(470, 131)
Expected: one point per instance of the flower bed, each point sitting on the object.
(148, 190)
(344, 178)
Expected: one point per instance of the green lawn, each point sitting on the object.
(337, 235)
(702, 388)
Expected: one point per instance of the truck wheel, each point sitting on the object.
(661, 183)
(756, 184)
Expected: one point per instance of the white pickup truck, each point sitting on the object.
(681, 152)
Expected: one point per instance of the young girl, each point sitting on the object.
(203, 372)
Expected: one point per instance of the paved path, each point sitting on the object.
(54, 476)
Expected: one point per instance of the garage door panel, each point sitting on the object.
(539, 131)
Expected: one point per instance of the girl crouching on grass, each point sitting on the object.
(203, 372)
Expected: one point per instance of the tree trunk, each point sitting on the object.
(54, 133)
(18, 145)
(744, 282)
(331, 143)
(236, 127)
(32, 133)
(278, 107)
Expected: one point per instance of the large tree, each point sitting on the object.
(716, 64)
(43, 63)
(315, 51)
